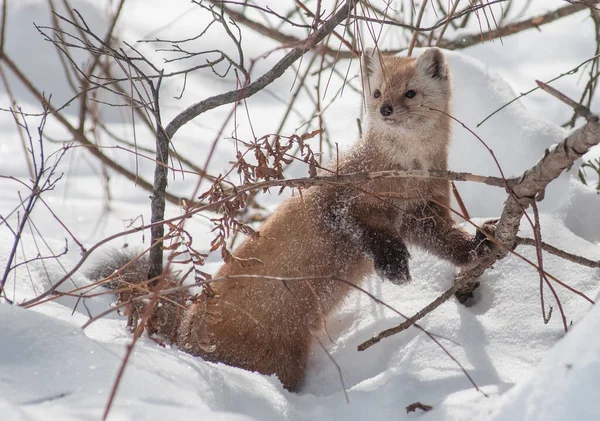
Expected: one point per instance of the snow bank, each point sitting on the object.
(565, 385)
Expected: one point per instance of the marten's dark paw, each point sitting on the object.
(390, 255)
(396, 271)
(482, 243)
(391, 263)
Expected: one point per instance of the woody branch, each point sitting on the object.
(531, 187)
(518, 26)
(502, 29)
(239, 94)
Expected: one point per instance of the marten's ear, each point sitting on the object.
(371, 70)
(371, 63)
(432, 62)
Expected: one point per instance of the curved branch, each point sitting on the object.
(302, 48)
(516, 27)
(580, 260)
(529, 188)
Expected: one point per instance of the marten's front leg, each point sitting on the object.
(431, 227)
(370, 224)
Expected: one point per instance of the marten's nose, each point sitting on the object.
(386, 110)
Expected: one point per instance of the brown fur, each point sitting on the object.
(346, 232)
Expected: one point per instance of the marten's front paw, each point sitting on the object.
(391, 263)
(483, 244)
(390, 255)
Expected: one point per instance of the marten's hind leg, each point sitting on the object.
(219, 332)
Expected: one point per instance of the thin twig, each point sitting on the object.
(532, 185)
(266, 79)
(577, 107)
(568, 72)
(580, 260)
(3, 28)
(465, 41)
(413, 40)
(136, 335)
(449, 293)
(443, 31)
(537, 232)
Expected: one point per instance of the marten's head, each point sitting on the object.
(404, 94)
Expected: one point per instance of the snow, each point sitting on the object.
(50, 368)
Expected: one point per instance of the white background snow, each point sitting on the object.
(52, 369)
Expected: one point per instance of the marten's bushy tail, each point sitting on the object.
(128, 277)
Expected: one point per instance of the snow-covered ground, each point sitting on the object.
(52, 369)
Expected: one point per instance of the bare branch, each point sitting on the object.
(530, 187)
(410, 321)
(580, 260)
(3, 27)
(513, 28)
(577, 107)
(413, 39)
(232, 96)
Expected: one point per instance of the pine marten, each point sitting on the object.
(344, 232)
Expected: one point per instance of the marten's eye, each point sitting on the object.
(410, 93)
(377, 93)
